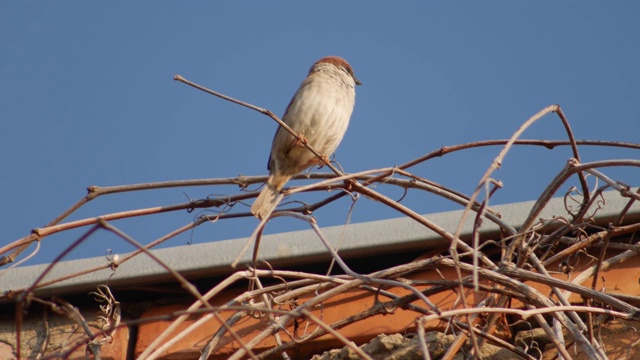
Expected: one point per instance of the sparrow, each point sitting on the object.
(319, 112)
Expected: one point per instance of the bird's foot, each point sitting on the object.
(301, 141)
(324, 160)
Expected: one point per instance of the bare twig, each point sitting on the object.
(282, 305)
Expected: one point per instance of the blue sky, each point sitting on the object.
(87, 98)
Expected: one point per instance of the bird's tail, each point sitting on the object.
(267, 200)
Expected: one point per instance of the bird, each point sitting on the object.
(319, 112)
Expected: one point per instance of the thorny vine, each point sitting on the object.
(499, 272)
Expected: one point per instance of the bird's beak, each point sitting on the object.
(357, 81)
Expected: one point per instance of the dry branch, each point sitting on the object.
(500, 271)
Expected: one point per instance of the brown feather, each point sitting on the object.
(267, 200)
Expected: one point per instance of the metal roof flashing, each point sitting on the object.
(290, 248)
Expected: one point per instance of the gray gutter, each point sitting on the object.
(290, 248)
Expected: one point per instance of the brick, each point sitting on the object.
(64, 334)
